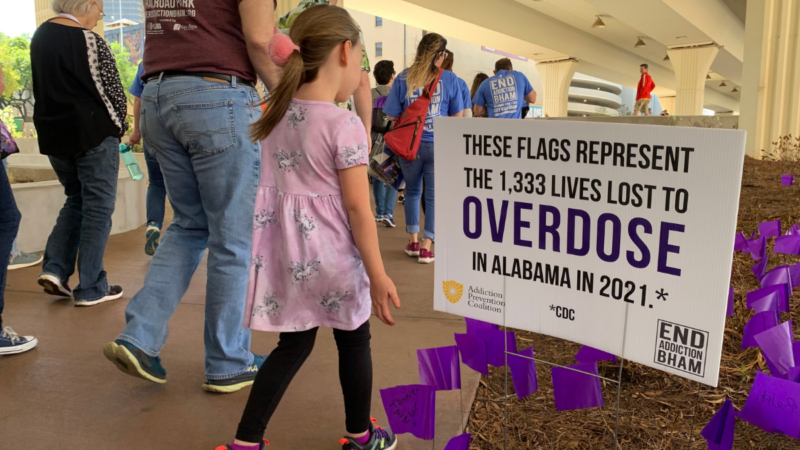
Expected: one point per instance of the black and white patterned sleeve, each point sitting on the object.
(103, 68)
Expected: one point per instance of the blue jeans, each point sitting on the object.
(385, 197)
(84, 223)
(198, 132)
(414, 172)
(156, 192)
(14, 249)
(9, 224)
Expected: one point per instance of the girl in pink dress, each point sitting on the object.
(316, 260)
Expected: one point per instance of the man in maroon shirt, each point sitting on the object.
(643, 90)
(202, 58)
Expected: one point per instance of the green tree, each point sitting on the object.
(126, 69)
(15, 59)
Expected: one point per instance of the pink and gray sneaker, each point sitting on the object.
(412, 249)
(425, 256)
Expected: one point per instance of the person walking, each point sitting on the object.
(466, 98)
(313, 216)
(10, 341)
(79, 115)
(156, 191)
(362, 95)
(445, 101)
(504, 95)
(643, 90)
(385, 196)
(196, 115)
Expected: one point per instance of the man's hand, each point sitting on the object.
(135, 137)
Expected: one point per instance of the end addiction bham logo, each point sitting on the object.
(477, 297)
(681, 348)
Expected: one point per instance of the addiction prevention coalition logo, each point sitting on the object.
(453, 291)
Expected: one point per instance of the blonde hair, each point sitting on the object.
(74, 7)
(423, 66)
(317, 31)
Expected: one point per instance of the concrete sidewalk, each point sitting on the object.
(65, 394)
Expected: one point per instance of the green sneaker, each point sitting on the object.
(131, 360)
(153, 235)
(233, 384)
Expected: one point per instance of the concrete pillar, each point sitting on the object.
(691, 66)
(668, 104)
(770, 105)
(556, 77)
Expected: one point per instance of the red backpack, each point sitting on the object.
(403, 140)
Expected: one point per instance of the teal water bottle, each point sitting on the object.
(130, 162)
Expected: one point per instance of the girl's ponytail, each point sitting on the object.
(280, 97)
(314, 35)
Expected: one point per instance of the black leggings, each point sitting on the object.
(355, 375)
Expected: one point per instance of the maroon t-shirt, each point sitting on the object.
(195, 36)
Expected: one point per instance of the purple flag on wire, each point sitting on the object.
(772, 406)
(473, 352)
(794, 271)
(411, 409)
(474, 325)
(776, 345)
(575, 390)
(778, 275)
(760, 268)
(719, 430)
(730, 303)
(758, 323)
(589, 354)
(740, 243)
(523, 372)
(784, 292)
(496, 342)
(796, 352)
(460, 442)
(438, 367)
(758, 248)
(769, 229)
(789, 245)
(795, 229)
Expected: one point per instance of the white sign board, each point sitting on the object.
(615, 236)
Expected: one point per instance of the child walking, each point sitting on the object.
(316, 260)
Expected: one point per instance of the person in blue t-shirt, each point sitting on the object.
(466, 98)
(156, 192)
(505, 94)
(445, 101)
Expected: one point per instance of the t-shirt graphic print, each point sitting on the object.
(503, 95)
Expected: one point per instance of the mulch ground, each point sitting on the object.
(657, 410)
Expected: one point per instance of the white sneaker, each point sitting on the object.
(52, 285)
(11, 343)
(25, 260)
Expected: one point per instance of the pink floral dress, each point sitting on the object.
(306, 271)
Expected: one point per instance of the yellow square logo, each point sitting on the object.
(453, 291)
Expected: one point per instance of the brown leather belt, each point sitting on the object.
(214, 77)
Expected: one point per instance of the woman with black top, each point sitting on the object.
(79, 115)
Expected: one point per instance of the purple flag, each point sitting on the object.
(473, 352)
(769, 229)
(523, 372)
(784, 292)
(771, 302)
(758, 323)
(496, 347)
(787, 180)
(789, 245)
(772, 406)
(778, 275)
(411, 409)
(758, 248)
(740, 243)
(795, 272)
(719, 430)
(776, 345)
(474, 325)
(794, 375)
(795, 229)
(796, 352)
(589, 354)
(730, 303)
(460, 442)
(575, 390)
(438, 367)
(760, 268)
